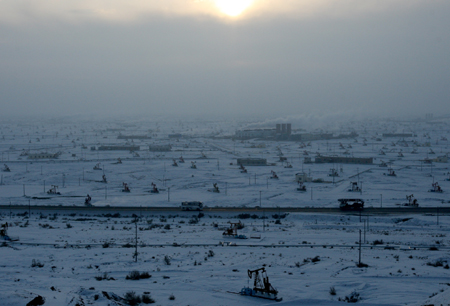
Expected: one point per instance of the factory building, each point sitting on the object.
(400, 135)
(133, 137)
(281, 131)
(258, 133)
(119, 148)
(252, 161)
(302, 177)
(43, 155)
(175, 136)
(159, 148)
(343, 160)
(284, 128)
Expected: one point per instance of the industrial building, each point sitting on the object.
(175, 136)
(310, 136)
(400, 135)
(258, 133)
(283, 131)
(133, 137)
(343, 160)
(43, 155)
(119, 148)
(159, 148)
(302, 177)
(252, 161)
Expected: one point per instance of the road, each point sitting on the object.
(133, 209)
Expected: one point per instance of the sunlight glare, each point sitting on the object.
(233, 8)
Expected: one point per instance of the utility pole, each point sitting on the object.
(135, 241)
(168, 194)
(437, 215)
(364, 231)
(264, 213)
(359, 261)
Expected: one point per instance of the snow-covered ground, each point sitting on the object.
(75, 249)
(73, 171)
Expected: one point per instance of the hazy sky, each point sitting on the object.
(191, 57)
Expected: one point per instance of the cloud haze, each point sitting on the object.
(189, 58)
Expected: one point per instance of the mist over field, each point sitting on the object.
(193, 58)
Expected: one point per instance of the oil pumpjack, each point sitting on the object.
(87, 200)
(154, 188)
(54, 190)
(193, 165)
(126, 188)
(262, 288)
(274, 175)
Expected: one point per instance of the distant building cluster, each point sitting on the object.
(302, 177)
(137, 137)
(43, 155)
(119, 148)
(283, 131)
(343, 160)
(252, 161)
(175, 136)
(400, 135)
(311, 136)
(159, 148)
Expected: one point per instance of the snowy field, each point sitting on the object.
(215, 159)
(305, 255)
(84, 259)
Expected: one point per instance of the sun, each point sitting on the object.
(233, 8)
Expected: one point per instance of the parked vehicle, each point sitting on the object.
(192, 205)
(351, 204)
